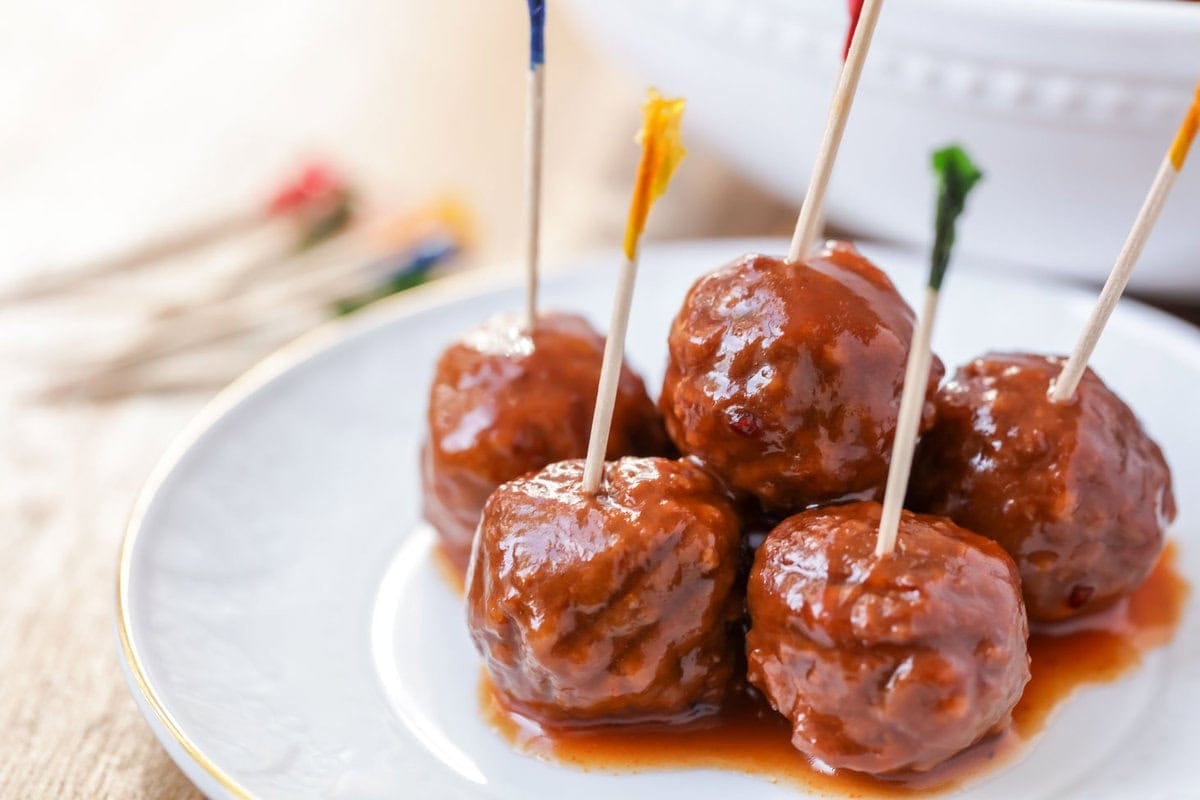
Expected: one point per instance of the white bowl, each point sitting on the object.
(1068, 105)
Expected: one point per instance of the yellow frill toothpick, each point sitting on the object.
(662, 150)
(1072, 372)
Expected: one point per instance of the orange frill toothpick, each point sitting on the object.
(1187, 133)
(662, 150)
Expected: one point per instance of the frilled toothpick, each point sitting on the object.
(317, 201)
(864, 18)
(956, 177)
(1072, 372)
(535, 96)
(662, 150)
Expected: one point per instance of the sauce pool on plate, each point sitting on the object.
(748, 736)
(1103, 647)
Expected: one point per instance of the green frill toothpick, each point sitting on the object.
(957, 175)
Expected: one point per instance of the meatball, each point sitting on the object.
(619, 607)
(1077, 493)
(785, 378)
(504, 403)
(892, 663)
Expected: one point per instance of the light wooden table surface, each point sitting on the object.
(123, 121)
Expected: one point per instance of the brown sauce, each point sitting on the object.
(747, 736)
(1102, 647)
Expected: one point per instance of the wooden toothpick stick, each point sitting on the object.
(854, 9)
(535, 96)
(957, 175)
(1072, 371)
(662, 151)
(811, 211)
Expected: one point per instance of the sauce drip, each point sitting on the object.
(748, 736)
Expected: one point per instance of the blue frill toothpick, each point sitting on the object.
(537, 33)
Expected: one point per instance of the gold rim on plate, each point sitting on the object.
(422, 298)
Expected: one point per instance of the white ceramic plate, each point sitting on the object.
(287, 635)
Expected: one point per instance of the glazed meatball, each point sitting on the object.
(785, 378)
(619, 607)
(892, 663)
(504, 403)
(1076, 492)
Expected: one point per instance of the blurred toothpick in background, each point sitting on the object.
(226, 290)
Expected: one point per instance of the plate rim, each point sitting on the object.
(261, 373)
(468, 284)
